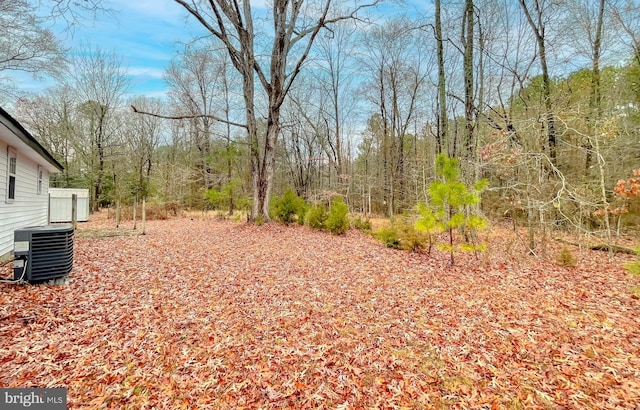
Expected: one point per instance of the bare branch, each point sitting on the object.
(186, 117)
(313, 31)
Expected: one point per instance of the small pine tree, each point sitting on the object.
(449, 198)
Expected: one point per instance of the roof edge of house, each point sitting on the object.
(28, 139)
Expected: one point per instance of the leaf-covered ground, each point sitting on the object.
(202, 313)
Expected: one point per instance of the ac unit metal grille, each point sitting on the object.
(49, 254)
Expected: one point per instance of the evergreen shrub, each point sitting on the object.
(289, 208)
(338, 219)
(316, 216)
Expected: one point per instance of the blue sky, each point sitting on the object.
(146, 35)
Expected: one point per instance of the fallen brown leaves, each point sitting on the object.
(205, 313)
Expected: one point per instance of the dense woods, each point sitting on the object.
(539, 97)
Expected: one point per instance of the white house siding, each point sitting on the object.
(29, 208)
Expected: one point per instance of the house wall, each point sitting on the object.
(29, 208)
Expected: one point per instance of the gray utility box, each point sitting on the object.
(43, 253)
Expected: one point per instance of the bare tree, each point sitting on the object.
(441, 132)
(296, 25)
(536, 12)
(99, 82)
(335, 53)
(52, 118)
(193, 80)
(398, 65)
(142, 136)
(326, 99)
(304, 139)
(25, 44)
(586, 25)
(203, 83)
(510, 55)
(73, 11)
(627, 14)
(229, 85)
(467, 39)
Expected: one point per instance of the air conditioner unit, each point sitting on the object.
(42, 253)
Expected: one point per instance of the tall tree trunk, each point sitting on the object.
(548, 104)
(538, 27)
(441, 132)
(399, 179)
(101, 156)
(595, 98)
(387, 149)
(398, 138)
(477, 174)
(469, 103)
(337, 130)
(269, 160)
(227, 112)
(254, 144)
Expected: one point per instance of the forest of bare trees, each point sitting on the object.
(540, 97)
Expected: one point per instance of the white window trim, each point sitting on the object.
(11, 153)
(39, 179)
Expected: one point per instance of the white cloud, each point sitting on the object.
(149, 72)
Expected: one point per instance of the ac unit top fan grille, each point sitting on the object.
(43, 252)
